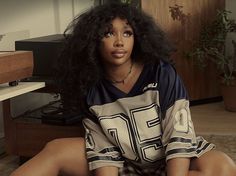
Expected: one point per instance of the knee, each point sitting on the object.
(59, 149)
(226, 166)
(53, 151)
(67, 154)
(214, 163)
(222, 166)
(54, 146)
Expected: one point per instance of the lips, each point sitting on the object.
(118, 53)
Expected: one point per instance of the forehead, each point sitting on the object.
(119, 22)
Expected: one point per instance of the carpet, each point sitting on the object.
(224, 143)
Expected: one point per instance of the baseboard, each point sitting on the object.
(206, 101)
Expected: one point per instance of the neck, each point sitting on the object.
(120, 74)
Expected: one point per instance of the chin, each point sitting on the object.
(120, 61)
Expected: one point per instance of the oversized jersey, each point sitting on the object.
(149, 124)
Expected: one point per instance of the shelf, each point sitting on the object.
(7, 92)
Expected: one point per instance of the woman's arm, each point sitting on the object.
(178, 167)
(106, 171)
(100, 151)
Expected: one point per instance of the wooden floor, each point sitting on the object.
(208, 119)
(213, 119)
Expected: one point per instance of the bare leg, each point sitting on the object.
(65, 155)
(213, 163)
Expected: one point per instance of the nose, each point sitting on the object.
(118, 41)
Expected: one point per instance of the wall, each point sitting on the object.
(21, 19)
(231, 6)
(183, 33)
(42, 17)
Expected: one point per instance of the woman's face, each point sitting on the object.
(117, 44)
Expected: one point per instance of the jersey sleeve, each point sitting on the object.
(100, 151)
(179, 136)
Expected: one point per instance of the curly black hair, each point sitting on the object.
(79, 65)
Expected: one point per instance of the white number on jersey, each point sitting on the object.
(138, 136)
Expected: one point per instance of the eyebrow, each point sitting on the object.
(127, 25)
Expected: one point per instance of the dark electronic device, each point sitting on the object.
(46, 50)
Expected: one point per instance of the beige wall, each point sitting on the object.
(34, 18)
(42, 17)
(231, 6)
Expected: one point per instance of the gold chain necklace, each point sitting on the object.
(123, 80)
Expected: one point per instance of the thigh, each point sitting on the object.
(214, 163)
(70, 155)
(65, 155)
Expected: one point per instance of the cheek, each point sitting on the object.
(131, 45)
(105, 46)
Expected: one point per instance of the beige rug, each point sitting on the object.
(225, 143)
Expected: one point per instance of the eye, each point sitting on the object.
(108, 34)
(128, 33)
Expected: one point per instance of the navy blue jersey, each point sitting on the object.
(150, 123)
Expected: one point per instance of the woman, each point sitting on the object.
(115, 69)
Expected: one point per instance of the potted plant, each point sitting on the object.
(211, 47)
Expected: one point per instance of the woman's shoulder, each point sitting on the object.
(166, 66)
(162, 68)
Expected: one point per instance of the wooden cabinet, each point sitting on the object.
(27, 136)
(201, 84)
